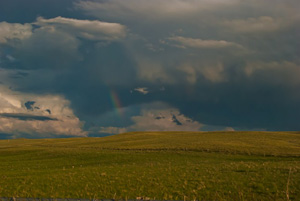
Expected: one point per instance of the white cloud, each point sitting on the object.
(143, 90)
(54, 43)
(185, 42)
(260, 24)
(60, 119)
(112, 130)
(88, 29)
(163, 120)
(37, 129)
(229, 129)
(11, 31)
(154, 9)
(157, 120)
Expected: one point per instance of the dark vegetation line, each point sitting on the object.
(199, 150)
(70, 199)
(203, 150)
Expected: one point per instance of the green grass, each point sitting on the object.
(158, 165)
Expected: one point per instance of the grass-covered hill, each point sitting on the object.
(257, 143)
(158, 165)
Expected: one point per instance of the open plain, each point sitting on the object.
(155, 165)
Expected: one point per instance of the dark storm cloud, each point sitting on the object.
(16, 11)
(29, 105)
(224, 63)
(19, 75)
(5, 136)
(220, 87)
(27, 117)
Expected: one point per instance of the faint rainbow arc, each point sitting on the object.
(116, 102)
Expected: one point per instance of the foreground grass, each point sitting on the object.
(177, 166)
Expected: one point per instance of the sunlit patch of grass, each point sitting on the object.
(165, 166)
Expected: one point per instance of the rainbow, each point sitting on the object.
(116, 103)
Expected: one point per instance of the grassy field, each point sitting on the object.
(158, 165)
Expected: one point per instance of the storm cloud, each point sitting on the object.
(25, 117)
(210, 65)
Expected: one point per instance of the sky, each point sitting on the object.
(80, 68)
